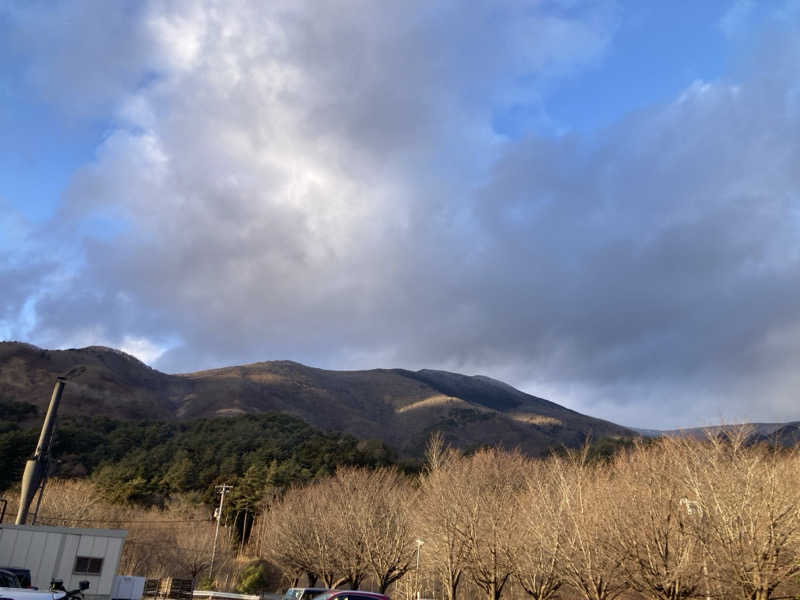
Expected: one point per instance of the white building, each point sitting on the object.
(66, 553)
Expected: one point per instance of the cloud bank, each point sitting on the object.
(322, 182)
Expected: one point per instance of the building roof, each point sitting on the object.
(115, 533)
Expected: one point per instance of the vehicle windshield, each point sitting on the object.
(23, 575)
(302, 593)
(8, 580)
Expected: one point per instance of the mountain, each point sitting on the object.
(399, 407)
(779, 434)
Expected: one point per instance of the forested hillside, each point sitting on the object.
(145, 461)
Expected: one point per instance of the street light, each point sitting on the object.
(419, 545)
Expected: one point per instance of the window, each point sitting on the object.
(8, 580)
(85, 565)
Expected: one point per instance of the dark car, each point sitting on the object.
(8, 579)
(350, 595)
(22, 575)
(303, 593)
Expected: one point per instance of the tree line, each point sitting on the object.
(671, 520)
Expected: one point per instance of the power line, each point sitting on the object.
(70, 519)
(164, 545)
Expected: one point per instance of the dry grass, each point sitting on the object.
(534, 419)
(439, 401)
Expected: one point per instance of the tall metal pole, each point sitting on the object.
(36, 468)
(221, 489)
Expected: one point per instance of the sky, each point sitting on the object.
(594, 201)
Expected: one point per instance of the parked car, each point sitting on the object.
(303, 593)
(350, 595)
(23, 575)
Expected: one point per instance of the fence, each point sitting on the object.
(168, 588)
(212, 595)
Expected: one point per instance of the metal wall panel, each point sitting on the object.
(20, 552)
(85, 546)
(8, 539)
(111, 550)
(48, 562)
(36, 550)
(66, 560)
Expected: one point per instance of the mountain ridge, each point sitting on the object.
(784, 433)
(398, 406)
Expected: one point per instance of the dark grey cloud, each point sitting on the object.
(662, 258)
(324, 185)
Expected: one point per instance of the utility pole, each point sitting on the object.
(221, 489)
(36, 469)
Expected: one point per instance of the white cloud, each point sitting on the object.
(321, 182)
(145, 350)
(282, 168)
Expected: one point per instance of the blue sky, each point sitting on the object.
(594, 201)
(658, 49)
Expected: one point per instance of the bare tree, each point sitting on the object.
(649, 525)
(74, 503)
(591, 566)
(437, 515)
(382, 521)
(303, 540)
(193, 547)
(491, 479)
(345, 527)
(343, 505)
(540, 514)
(745, 501)
(147, 551)
(437, 452)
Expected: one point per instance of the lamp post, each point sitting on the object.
(419, 545)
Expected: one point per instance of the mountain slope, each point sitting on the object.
(779, 434)
(397, 406)
(113, 384)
